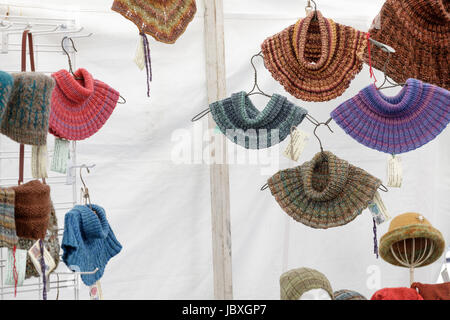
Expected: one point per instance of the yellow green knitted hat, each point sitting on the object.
(294, 283)
(411, 225)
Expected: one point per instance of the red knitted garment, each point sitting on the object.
(396, 294)
(80, 108)
(439, 291)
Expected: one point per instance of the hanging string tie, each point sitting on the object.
(148, 61)
(15, 273)
(375, 241)
(44, 279)
(372, 74)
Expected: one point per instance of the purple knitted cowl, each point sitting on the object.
(415, 116)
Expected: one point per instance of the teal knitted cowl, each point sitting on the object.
(245, 125)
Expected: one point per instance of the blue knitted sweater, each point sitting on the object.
(88, 241)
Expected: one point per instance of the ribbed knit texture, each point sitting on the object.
(409, 226)
(6, 84)
(345, 294)
(438, 291)
(51, 243)
(315, 60)
(294, 283)
(80, 107)
(32, 209)
(415, 116)
(396, 294)
(419, 31)
(26, 116)
(8, 236)
(164, 20)
(88, 241)
(324, 192)
(245, 125)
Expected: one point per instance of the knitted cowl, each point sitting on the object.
(294, 283)
(164, 20)
(32, 209)
(8, 236)
(88, 241)
(245, 125)
(324, 192)
(419, 31)
(401, 123)
(345, 294)
(80, 107)
(315, 60)
(51, 243)
(25, 119)
(438, 291)
(6, 84)
(396, 294)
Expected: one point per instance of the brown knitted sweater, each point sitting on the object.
(32, 209)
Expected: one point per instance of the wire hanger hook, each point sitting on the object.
(255, 83)
(84, 189)
(317, 126)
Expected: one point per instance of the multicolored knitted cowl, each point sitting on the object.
(245, 125)
(325, 192)
(8, 235)
(315, 60)
(415, 116)
(164, 20)
(419, 31)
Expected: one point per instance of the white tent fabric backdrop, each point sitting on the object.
(159, 208)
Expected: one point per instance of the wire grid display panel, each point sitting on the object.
(48, 58)
(63, 196)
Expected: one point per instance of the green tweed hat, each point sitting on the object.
(25, 119)
(324, 192)
(294, 283)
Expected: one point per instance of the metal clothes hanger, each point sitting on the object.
(326, 123)
(255, 83)
(84, 188)
(308, 6)
(123, 101)
(255, 89)
(68, 55)
(386, 79)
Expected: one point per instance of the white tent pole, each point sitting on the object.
(219, 180)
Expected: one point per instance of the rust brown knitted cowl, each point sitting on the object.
(419, 31)
(32, 209)
(315, 59)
